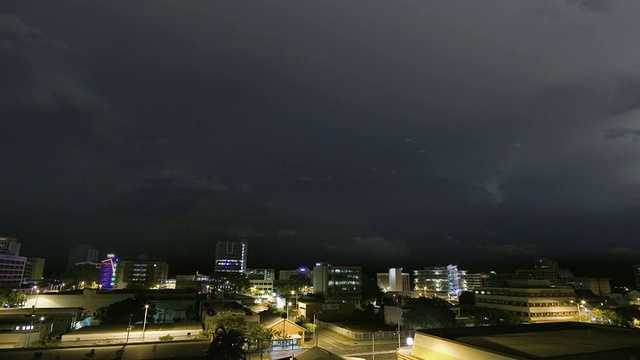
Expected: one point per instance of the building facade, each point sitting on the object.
(301, 271)
(11, 263)
(394, 280)
(533, 301)
(231, 257)
(440, 281)
(82, 254)
(34, 269)
(108, 268)
(339, 283)
(142, 274)
(261, 274)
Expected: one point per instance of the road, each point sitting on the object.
(114, 352)
(327, 339)
(342, 345)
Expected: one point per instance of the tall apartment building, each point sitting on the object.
(108, 268)
(142, 274)
(442, 281)
(11, 263)
(394, 280)
(338, 283)
(34, 269)
(82, 254)
(231, 257)
(534, 301)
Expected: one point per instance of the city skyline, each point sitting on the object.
(431, 133)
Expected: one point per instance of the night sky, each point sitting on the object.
(369, 133)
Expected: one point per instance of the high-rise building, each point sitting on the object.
(442, 281)
(342, 283)
(108, 268)
(301, 271)
(231, 257)
(142, 274)
(394, 280)
(11, 263)
(34, 269)
(82, 254)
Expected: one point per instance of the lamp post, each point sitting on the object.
(373, 346)
(129, 328)
(399, 343)
(144, 322)
(315, 328)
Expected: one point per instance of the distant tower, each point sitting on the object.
(231, 257)
(82, 254)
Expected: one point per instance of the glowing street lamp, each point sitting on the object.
(144, 322)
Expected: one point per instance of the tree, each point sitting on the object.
(304, 322)
(428, 314)
(81, 275)
(226, 321)
(16, 298)
(263, 337)
(228, 345)
(119, 312)
(489, 317)
(4, 295)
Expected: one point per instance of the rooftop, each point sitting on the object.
(564, 341)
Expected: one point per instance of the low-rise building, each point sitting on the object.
(534, 301)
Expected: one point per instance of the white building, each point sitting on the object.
(11, 263)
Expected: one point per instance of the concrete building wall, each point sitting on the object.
(433, 348)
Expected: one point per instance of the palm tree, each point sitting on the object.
(228, 345)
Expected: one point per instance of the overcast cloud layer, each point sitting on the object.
(443, 130)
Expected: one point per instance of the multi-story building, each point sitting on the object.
(108, 268)
(598, 286)
(534, 301)
(11, 263)
(261, 287)
(441, 281)
(231, 257)
(301, 271)
(82, 254)
(338, 283)
(545, 269)
(34, 269)
(261, 274)
(475, 280)
(394, 280)
(142, 274)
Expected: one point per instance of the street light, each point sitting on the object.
(144, 322)
(315, 318)
(129, 327)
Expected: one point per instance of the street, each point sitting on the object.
(342, 345)
(114, 352)
(327, 339)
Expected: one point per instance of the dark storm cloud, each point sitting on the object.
(361, 120)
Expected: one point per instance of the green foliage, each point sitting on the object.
(429, 314)
(232, 283)
(228, 345)
(605, 317)
(296, 283)
(87, 273)
(16, 298)
(4, 294)
(167, 337)
(304, 322)
(47, 341)
(226, 321)
(490, 317)
(119, 312)
(262, 337)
